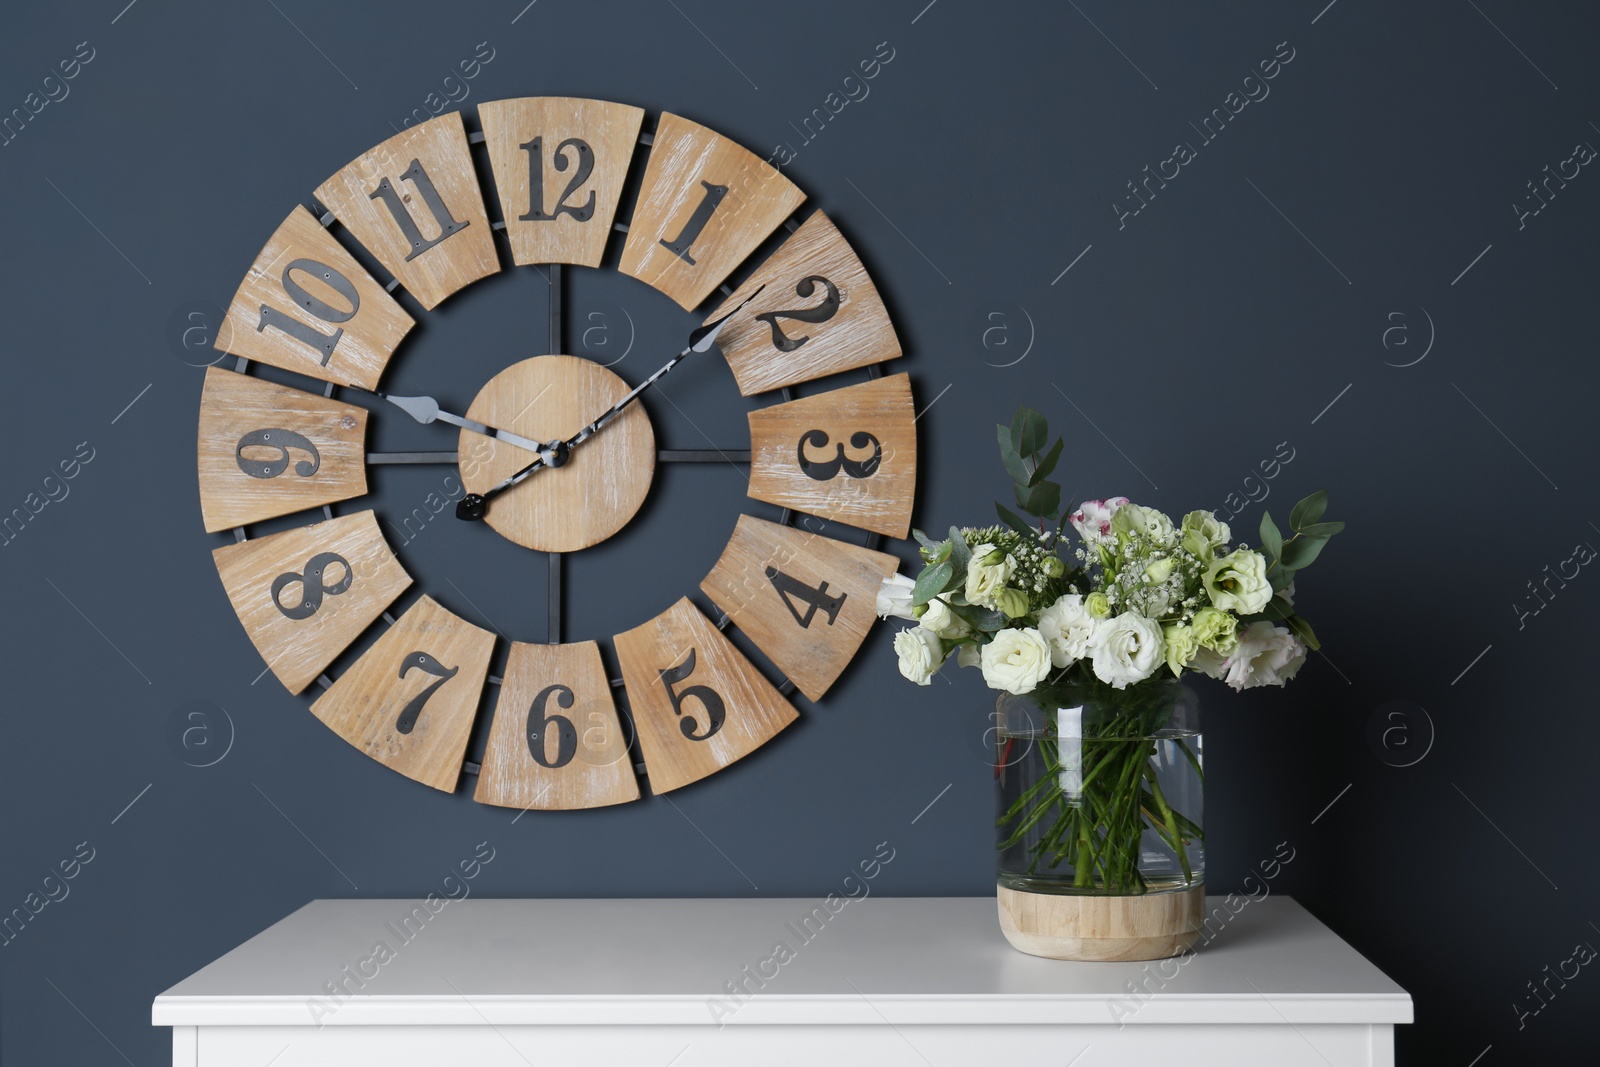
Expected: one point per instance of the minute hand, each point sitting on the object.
(474, 506)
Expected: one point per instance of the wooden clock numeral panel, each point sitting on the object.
(849, 455)
(304, 595)
(414, 202)
(559, 166)
(806, 600)
(268, 450)
(698, 704)
(556, 742)
(818, 315)
(705, 204)
(410, 700)
(306, 305)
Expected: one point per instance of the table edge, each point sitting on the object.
(775, 1010)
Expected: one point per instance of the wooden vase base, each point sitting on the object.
(1103, 929)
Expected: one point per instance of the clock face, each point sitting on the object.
(556, 453)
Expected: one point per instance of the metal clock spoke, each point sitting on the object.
(703, 455)
(558, 340)
(555, 602)
(377, 459)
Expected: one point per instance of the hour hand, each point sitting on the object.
(425, 409)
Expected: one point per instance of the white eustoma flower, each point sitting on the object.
(1238, 582)
(1066, 627)
(1092, 520)
(1126, 649)
(1210, 663)
(1134, 518)
(894, 597)
(987, 577)
(944, 623)
(1267, 655)
(1204, 533)
(1017, 660)
(920, 654)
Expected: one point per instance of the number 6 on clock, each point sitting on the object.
(537, 757)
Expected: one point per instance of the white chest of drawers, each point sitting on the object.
(918, 982)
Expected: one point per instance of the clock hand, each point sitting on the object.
(474, 506)
(699, 341)
(425, 409)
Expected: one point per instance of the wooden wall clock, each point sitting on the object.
(556, 453)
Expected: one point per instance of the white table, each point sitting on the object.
(887, 981)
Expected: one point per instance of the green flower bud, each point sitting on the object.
(1013, 603)
(1216, 630)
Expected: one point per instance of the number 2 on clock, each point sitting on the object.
(821, 313)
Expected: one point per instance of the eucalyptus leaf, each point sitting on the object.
(1277, 609)
(1302, 551)
(957, 579)
(1048, 463)
(1323, 530)
(925, 541)
(1308, 510)
(1015, 521)
(960, 554)
(1307, 634)
(1271, 539)
(1010, 457)
(1281, 577)
(1043, 500)
(983, 619)
(1028, 431)
(931, 582)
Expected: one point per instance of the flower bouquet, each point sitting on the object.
(1088, 638)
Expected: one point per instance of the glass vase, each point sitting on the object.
(1099, 820)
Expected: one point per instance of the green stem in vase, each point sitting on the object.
(1171, 823)
(1061, 827)
(1199, 771)
(1027, 824)
(1082, 869)
(1029, 794)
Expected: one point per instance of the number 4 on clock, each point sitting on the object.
(791, 589)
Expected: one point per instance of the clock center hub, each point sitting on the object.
(585, 494)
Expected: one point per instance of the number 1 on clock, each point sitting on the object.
(680, 245)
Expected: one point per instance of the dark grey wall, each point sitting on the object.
(1262, 297)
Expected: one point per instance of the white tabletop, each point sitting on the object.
(879, 960)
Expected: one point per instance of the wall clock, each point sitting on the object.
(556, 453)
